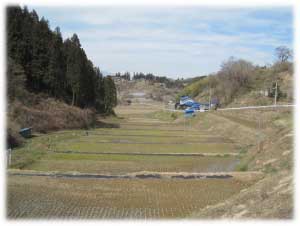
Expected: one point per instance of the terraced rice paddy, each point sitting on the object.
(144, 141)
(41, 197)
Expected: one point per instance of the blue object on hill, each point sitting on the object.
(196, 106)
(189, 111)
(25, 132)
(187, 102)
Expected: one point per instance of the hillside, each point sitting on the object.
(141, 89)
(237, 85)
(266, 141)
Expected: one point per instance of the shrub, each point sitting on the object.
(242, 167)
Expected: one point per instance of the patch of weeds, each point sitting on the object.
(174, 116)
(269, 169)
(244, 163)
(21, 159)
(286, 164)
(243, 150)
(242, 167)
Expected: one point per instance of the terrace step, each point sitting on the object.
(160, 154)
(251, 175)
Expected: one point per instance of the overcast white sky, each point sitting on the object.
(170, 41)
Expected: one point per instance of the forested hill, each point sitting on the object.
(40, 61)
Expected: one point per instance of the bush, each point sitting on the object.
(242, 167)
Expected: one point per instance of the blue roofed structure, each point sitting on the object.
(187, 102)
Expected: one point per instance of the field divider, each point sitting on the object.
(151, 154)
(249, 175)
(143, 129)
(150, 135)
(139, 142)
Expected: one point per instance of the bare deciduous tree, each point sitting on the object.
(283, 53)
(235, 75)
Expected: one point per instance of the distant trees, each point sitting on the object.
(234, 76)
(161, 79)
(283, 53)
(125, 76)
(283, 57)
(40, 61)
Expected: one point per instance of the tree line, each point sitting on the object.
(40, 61)
(150, 77)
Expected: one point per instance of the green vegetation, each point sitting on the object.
(270, 169)
(122, 164)
(242, 167)
(147, 148)
(244, 162)
(163, 115)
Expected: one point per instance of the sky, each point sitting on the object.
(173, 41)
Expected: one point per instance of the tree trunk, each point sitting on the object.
(73, 97)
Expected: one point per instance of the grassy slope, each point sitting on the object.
(267, 147)
(261, 79)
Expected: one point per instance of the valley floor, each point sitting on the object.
(147, 164)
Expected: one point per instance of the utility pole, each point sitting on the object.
(184, 125)
(8, 156)
(275, 96)
(209, 98)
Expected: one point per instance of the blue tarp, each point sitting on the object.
(189, 111)
(25, 132)
(188, 102)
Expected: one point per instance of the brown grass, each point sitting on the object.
(51, 115)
